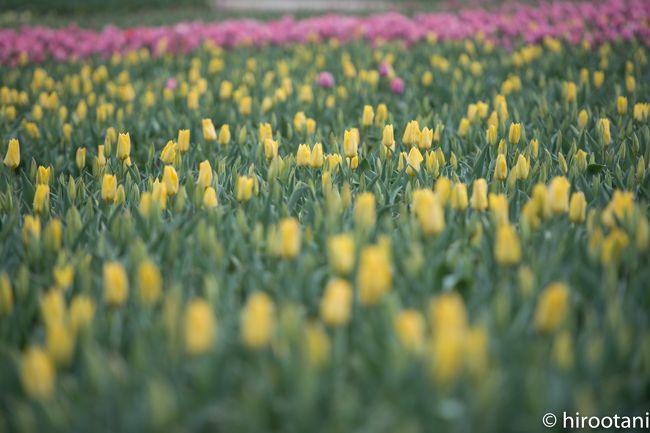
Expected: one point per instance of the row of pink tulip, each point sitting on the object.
(576, 22)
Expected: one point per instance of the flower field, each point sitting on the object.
(337, 224)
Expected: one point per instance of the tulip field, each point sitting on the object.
(434, 223)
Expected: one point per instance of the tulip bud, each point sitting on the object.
(364, 210)
(374, 278)
(368, 116)
(507, 249)
(244, 189)
(388, 138)
(621, 105)
(491, 135)
(479, 199)
(116, 284)
(303, 155)
(351, 142)
(205, 174)
(558, 195)
(501, 168)
(257, 321)
(170, 179)
(80, 158)
(183, 140)
(514, 134)
(428, 209)
(123, 146)
(200, 327)
(224, 135)
(149, 282)
(551, 307)
(336, 303)
(12, 157)
(414, 160)
(109, 187)
(209, 133)
(577, 207)
(459, 197)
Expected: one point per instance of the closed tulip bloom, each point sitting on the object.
(149, 282)
(463, 127)
(351, 142)
(599, 79)
(340, 250)
(570, 91)
(82, 311)
(375, 277)
(183, 140)
(382, 114)
(168, 154)
(109, 187)
(224, 135)
(289, 238)
(507, 249)
(41, 198)
(170, 179)
(205, 174)
(80, 158)
(257, 321)
(429, 211)
(209, 133)
(37, 374)
(364, 210)
(6, 295)
(317, 344)
(491, 135)
(210, 198)
(583, 118)
(409, 327)
(12, 157)
(501, 168)
(368, 116)
(514, 134)
(270, 148)
(414, 160)
(581, 160)
(123, 146)
(459, 197)
(577, 207)
(59, 341)
(551, 307)
(388, 137)
(101, 158)
(479, 199)
(558, 195)
(244, 190)
(53, 308)
(303, 156)
(116, 284)
(200, 327)
(621, 105)
(426, 138)
(604, 130)
(522, 167)
(316, 158)
(336, 303)
(411, 133)
(43, 175)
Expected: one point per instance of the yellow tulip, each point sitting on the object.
(116, 284)
(12, 157)
(551, 307)
(200, 327)
(336, 303)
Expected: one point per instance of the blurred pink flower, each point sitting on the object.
(326, 80)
